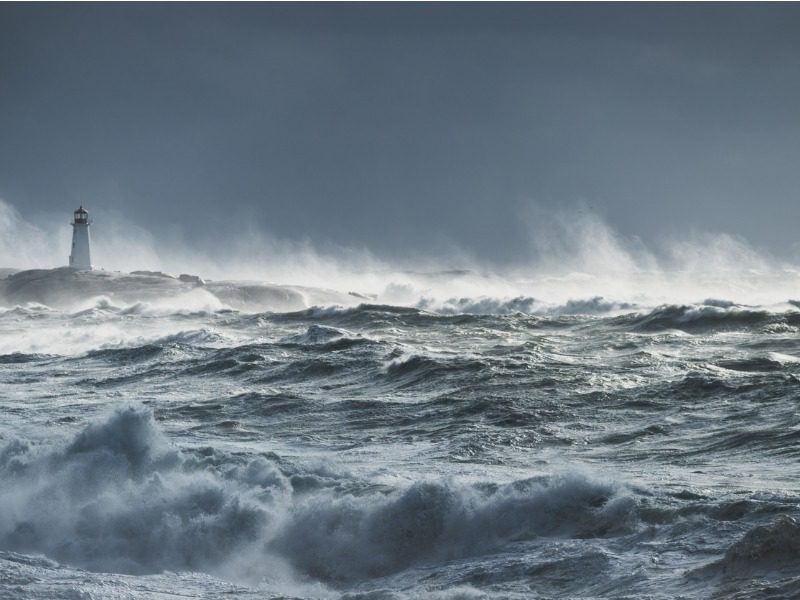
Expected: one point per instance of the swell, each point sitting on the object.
(15, 358)
(415, 370)
(707, 317)
(127, 355)
(321, 338)
(763, 563)
(182, 341)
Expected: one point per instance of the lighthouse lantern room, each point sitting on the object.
(80, 258)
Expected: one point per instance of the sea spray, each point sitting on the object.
(119, 497)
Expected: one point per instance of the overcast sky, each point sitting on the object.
(398, 127)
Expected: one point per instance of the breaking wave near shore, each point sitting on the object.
(448, 434)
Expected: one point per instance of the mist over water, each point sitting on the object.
(605, 418)
(574, 255)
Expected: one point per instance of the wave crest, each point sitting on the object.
(351, 538)
(119, 498)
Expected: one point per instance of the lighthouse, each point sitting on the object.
(80, 258)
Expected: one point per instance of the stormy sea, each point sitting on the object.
(440, 435)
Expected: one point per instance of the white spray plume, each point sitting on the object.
(575, 255)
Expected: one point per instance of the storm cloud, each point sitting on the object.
(404, 129)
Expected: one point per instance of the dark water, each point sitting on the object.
(598, 451)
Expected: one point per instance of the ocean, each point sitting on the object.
(454, 438)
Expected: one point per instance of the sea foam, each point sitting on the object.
(119, 497)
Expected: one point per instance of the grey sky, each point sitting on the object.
(400, 127)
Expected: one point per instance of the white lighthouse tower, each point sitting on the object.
(80, 258)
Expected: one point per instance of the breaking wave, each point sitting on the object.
(118, 497)
(354, 537)
(596, 305)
